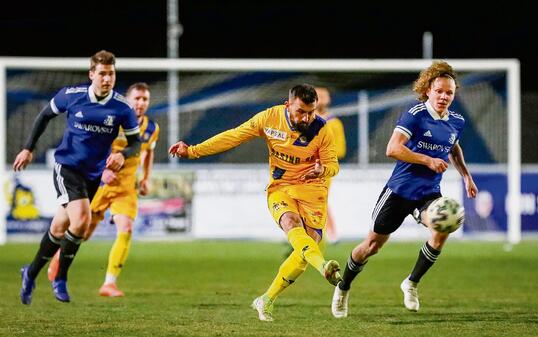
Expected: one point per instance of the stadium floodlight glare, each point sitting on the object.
(511, 67)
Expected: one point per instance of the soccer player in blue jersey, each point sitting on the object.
(94, 114)
(425, 138)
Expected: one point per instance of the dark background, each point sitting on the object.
(278, 29)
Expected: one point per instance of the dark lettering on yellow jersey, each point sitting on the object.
(291, 154)
(286, 157)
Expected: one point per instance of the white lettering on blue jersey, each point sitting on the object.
(93, 128)
(92, 125)
(428, 134)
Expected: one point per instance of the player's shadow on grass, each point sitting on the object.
(483, 316)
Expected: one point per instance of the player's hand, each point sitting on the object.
(315, 172)
(470, 187)
(438, 165)
(115, 161)
(109, 177)
(143, 187)
(179, 149)
(22, 160)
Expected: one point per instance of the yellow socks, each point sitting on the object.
(306, 247)
(118, 254)
(289, 271)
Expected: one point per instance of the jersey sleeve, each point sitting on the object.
(327, 154)
(337, 128)
(59, 102)
(461, 128)
(229, 139)
(154, 137)
(408, 124)
(129, 122)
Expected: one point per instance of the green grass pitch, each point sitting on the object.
(204, 288)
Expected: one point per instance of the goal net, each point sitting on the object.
(214, 95)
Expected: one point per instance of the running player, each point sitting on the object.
(118, 191)
(94, 113)
(425, 138)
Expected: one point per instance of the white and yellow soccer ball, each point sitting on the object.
(445, 215)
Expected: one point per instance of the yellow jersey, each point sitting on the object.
(291, 153)
(149, 134)
(337, 128)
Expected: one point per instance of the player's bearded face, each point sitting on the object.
(301, 114)
(103, 78)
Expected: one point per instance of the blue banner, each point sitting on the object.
(488, 211)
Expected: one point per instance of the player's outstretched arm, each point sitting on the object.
(179, 149)
(221, 142)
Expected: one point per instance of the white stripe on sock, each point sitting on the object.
(431, 257)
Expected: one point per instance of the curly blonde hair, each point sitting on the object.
(428, 75)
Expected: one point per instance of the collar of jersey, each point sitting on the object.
(93, 98)
(434, 113)
(286, 113)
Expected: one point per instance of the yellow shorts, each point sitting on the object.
(124, 202)
(309, 201)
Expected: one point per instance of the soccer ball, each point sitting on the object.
(445, 214)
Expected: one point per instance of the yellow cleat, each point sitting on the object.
(331, 270)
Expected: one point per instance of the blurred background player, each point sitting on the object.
(302, 157)
(336, 126)
(118, 191)
(425, 138)
(95, 113)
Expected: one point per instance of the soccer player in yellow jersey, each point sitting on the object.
(302, 157)
(337, 128)
(118, 190)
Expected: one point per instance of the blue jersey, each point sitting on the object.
(92, 125)
(428, 134)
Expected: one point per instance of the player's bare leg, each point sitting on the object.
(355, 264)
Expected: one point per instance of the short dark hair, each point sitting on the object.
(102, 57)
(138, 86)
(304, 92)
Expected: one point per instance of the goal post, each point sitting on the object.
(511, 67)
